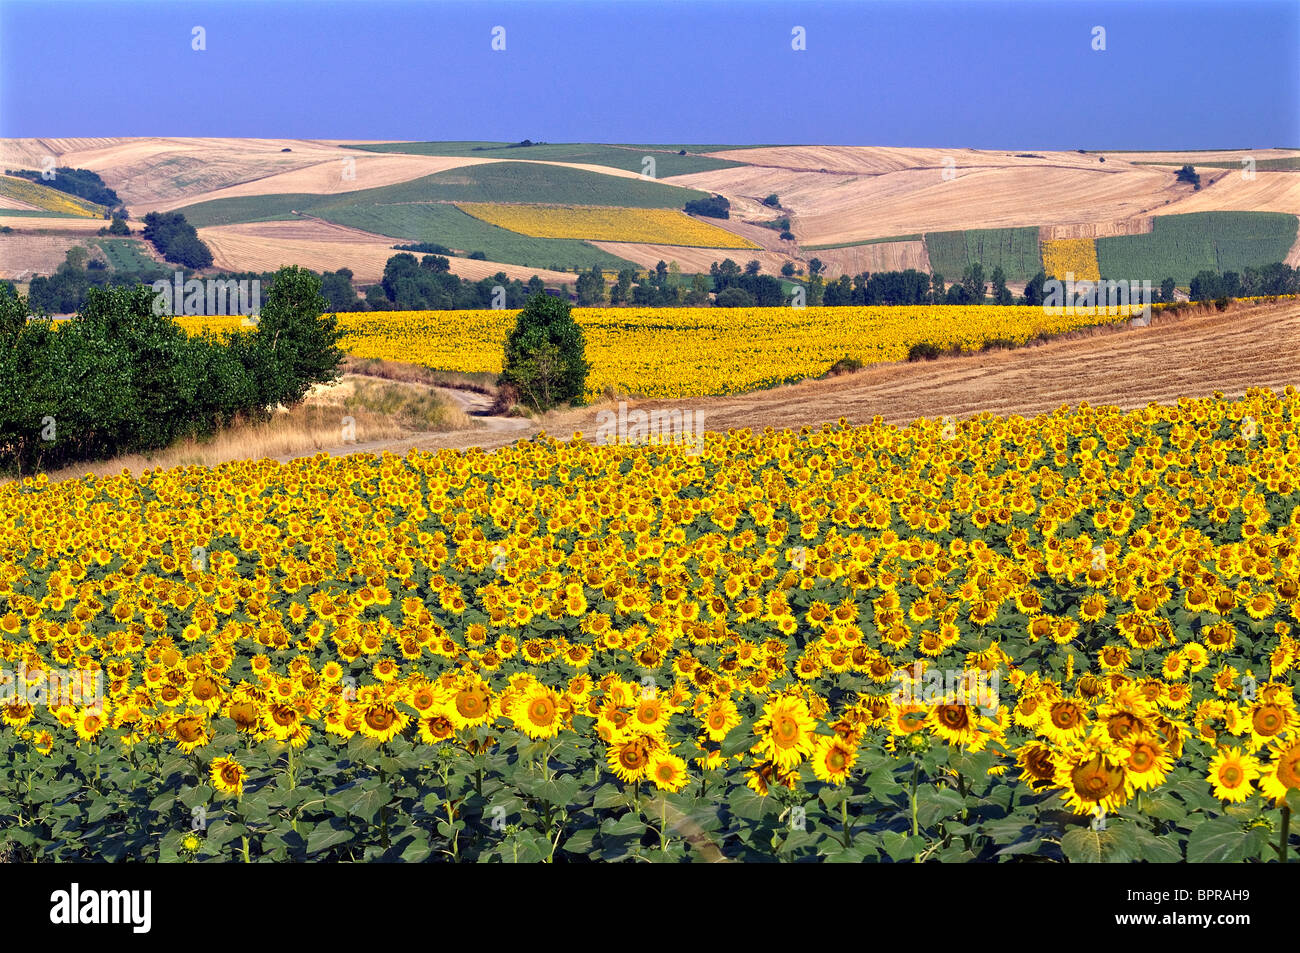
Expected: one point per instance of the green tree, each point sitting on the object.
(545, 354)
(1001, 294)
(297, 340)
(972, 282)
(1167, 290)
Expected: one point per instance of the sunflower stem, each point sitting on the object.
(916, 770)
(1283, 841)
(844, 823)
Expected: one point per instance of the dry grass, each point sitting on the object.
(351, 414)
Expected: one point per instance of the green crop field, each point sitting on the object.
(127, 254)
(1284, 164)
(629, 157)
(495, 182)
(1181, 245)
(1015, 249)
(448, 225)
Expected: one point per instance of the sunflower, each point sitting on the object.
(190, 731)
(1066, 721)
(1089, 780)
(537, 712)
(720, 717)
(227, 775)
(785, 732)
(954, 723)
(833, 759)
(435, 728)
(1282, 773)
(470, 706)
(1268, 720)
(1231, 773)
(1145, 760)
(668, 772)
(1036, 764)
(382, 721)
(651, 715)
(630, 759)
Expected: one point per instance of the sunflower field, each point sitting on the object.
(655, 226)
(1074, 256)
(696, 352)
(1071, 637)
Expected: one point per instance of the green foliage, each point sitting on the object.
(1015, 250)
(545, 354)
(298, 343)
(121, 378)
(176, 239)
(715, 206)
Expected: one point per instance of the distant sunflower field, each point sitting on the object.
(1067, 637)
(696, 352)
(656, 226)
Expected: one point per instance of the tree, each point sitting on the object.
(545, 354)
(699, 293)
(772, 201)
(972, 282)
(787, 269)
(753, 267)
(936, 288)
(1167, 290)
(1001, 295)
(591, 287)
(1189, 175)
(816, 290)
(715, 207)
(621, 293)
(296, 339)
(815, 266)
(1034, 289)
(735, 298)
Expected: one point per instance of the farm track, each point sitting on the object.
(1190, 356)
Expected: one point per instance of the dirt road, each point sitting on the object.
(1248, 346)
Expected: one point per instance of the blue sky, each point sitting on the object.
(925, 73)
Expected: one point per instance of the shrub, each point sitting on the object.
(845, 365)
(714, 207)
(923, 351)
(735, 298)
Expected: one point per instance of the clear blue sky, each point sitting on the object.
(926, 73)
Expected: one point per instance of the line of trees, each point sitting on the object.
(79, 182)
(176, 239)
(118, 378)
(1277, 278)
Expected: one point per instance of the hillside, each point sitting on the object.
(856, 208)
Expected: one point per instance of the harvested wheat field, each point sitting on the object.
(1141, 225)
(362, 170)
(25, 255)
(1267, 192)
(1247, 346)
(323, 246)
(878, 256)
(690, 259)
